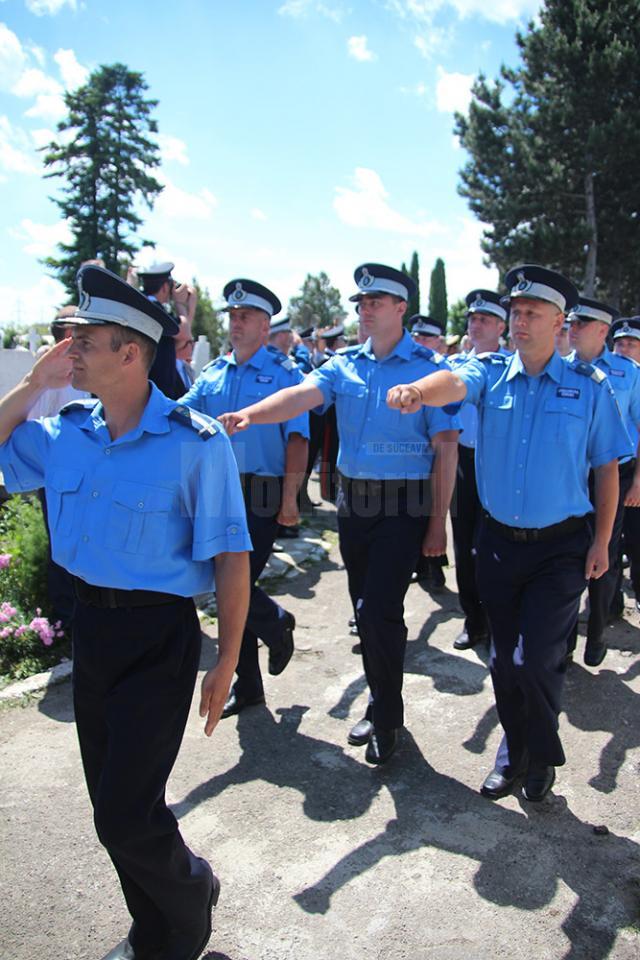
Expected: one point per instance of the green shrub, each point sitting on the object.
(28, 641)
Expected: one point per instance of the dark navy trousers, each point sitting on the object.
(266, 618)
(466, 513)
(531, 592)
(134, 672)
(381, 527)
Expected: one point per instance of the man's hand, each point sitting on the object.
(435, 539)
(213, 694)
(405, 397)
(53, 368)
(632, 498)
(597, 562)
(234, 422)
(288, 515)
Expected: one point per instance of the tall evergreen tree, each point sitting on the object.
(207, 321)
(317, 305)
(413, 271)
(457, 322)
(438, 294)
(105, 158)
(553, 149)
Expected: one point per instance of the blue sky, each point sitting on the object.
(296, 135)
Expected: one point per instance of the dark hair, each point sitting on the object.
(121, 335)
(151, 285)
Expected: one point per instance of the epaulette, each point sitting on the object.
(204, 426)
(347, 350)
(491, 357)
(212, 362)
(588, 370)
(425, 352)
(285, 362)
(86, 404)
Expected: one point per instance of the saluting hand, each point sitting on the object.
(405, 397)
(53, 368)
(234, 422)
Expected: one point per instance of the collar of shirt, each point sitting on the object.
(257, 360)
(402, 349)
(553, 368)
(154, 419)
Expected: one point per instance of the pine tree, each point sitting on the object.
(553, 149)
(105, 158)
(318, 304)
(438, 294)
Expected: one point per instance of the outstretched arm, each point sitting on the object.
(280, 406)
(52, 370)
(434, 390)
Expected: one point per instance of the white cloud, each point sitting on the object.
(367, 206)
(42, 137)
(13, 58)
(51, 7)
(258, 214)
(48, 107)
(462, 256)
(29, 305)
(178, 204)
(41, 239)
(73, 73)
(173, 149)
(15, 149)
(37, 53)
(33, 82)
(417, 90)
(358, 49)
(453, 91)
(302, 8)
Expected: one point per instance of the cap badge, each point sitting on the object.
(523, 283)
(239, 294)
(626, 328)
(479, 302)
(366, 279)
(85, 299)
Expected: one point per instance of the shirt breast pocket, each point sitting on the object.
(563, 419)
(138, 518)
(497, 416)
(350, 399)
(62, 485)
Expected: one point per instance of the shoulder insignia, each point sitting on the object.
(588, 370)
(204, 426)
(425, 352)
(499, 358)
(348, 350)
(87, 404)
(285, 362)
(212, 363)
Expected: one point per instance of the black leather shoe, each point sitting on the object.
(236, 702)
(381, 745)
(539, 780)
(124, 951)
(594, 653)
(361, 733)
(466, 640)
(280, 656)
(497, 785)
(188, 945)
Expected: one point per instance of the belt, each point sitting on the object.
(364, 488)
(536, 534)
(111, 597)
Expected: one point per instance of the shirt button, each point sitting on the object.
(107, 451)
(95, 494)
(85, 539)
(516, 517)
(517, 491)
(141, 504)
(233, 529)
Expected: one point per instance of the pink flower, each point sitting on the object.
(6, 632)
(6, 612)
(5, 560)
(44, 630)
(19, 631)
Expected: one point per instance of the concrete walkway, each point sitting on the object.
(322, 857)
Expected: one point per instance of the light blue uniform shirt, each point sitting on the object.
(468, 413)
(225, 386)
(624, 377)
(377, 443)
(538, 436)
(147, 511)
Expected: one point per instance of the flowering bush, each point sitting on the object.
(29, 642)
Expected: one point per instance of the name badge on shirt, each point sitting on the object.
(616, 373)
(264, 378)
(568, 393)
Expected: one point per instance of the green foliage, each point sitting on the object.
(457, 322)
(9, 335)
(318, 304)
(438, 293)
(413, 304)
(553, 148)
(207, 321)
(105, 158)
(28, 642)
